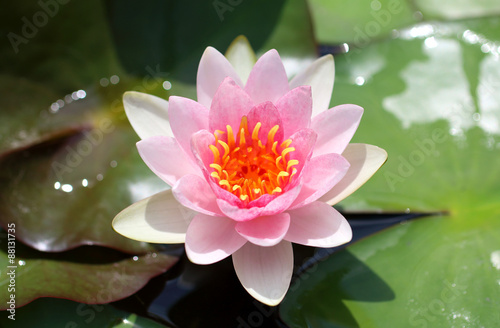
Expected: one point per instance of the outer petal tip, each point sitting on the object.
(147, 114)
(265, 272)
(156, 219)
(365, 160)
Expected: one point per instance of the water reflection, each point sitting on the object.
(495, 260)
(435, 89)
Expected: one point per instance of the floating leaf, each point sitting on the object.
(66, 193)
(86, 276)
(358, 22)
(430, 101)
(40, 313)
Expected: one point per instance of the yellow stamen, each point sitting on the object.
(291, 163)
(272, 133)
(255, 133)
(250, 167)
(226, 148)
(216, 153)
(230, 136)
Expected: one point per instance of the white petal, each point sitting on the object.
(319, 225)
(147, 114)
(241, 55)
(156, 219)
(265, 272)
(320, 76)
(365, 160)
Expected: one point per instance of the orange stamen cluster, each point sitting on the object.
(248, 168)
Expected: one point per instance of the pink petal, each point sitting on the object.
(213, 69)
(166, 159)
(156, 219)
(335, 128)
(320, 76)
(319, 225)
(237, 213)
(365, 160)
(186, 118)
(265, 230)
(268, 116)
(200, 142)
(303, 141)
(194, 192)
(282, 202)
(319, 176)
(229, 105)
(223, 194)
(267, 80)
(265, 272)
(275, 206)
(210, 239)
(295, 109)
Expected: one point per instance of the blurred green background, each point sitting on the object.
(427, 74)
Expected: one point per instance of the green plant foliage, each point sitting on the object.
(430, 101)
(50, 313)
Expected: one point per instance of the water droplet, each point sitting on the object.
(418, 15)
(345, 47)
(99, 177)
(135, 258)
(113, 163)
(486, 48)
(476, 117)
(60, 102)
(470, 37)
(21, 262)
(167, 85)
(81, 94)
(359, 80)
(67, 188)
(407, 210)
(104, 82)
(114, 79)
(85, 182)
(54, 108)
(74, 96)
(68, 99)
(57, 185)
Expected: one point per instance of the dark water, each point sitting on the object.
(191, 295)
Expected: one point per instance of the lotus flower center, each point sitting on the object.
(250, 167)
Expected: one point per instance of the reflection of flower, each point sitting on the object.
(252, 170)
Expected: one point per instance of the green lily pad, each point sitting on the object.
(430, 101)
(359, 22)
(65, 193)
(457, 9)
(90, 275)
(41, 313)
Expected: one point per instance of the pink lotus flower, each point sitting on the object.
(255, 164)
